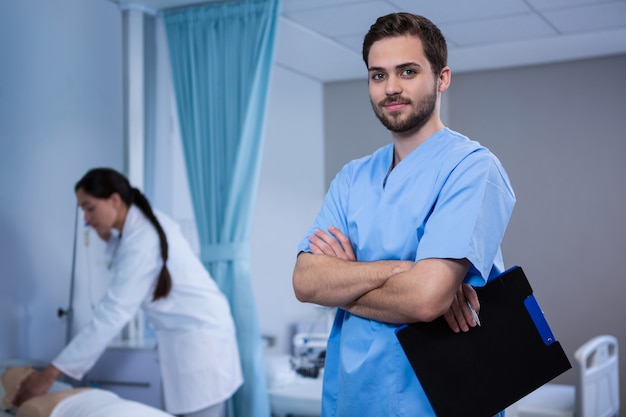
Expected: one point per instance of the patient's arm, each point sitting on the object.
(40, 406)
(35, 383)
(11, 379)
(43, 405)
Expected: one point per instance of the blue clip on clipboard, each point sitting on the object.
(537, 316)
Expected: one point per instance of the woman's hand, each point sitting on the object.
(35, 384)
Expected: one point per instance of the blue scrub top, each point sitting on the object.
(449, 198)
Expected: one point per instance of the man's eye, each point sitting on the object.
(378, 76)
(408, 73)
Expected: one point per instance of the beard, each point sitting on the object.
(412, 122)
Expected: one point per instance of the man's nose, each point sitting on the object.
(393, 86)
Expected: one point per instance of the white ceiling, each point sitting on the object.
(322, 38)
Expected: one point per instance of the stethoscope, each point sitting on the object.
(118, 240)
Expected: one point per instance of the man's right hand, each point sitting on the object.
(459, 316)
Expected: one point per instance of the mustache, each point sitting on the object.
(395, 99)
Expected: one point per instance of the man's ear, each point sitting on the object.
(444, 79)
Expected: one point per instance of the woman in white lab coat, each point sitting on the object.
(154, 269)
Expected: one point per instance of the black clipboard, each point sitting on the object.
(481, 372)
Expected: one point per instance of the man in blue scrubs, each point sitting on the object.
(404, 232)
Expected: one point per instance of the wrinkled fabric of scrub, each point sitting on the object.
(196, 341)
(449, 198)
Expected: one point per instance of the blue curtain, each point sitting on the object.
(221, 56)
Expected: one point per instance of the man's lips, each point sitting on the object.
(395, 106)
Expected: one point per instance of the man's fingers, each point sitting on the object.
(343, 240)
(451, 320)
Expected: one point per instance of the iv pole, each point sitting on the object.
(70, 309)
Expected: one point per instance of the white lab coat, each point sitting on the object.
(196, 341)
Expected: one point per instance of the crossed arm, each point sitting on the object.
(388, 291)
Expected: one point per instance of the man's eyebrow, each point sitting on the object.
(376, 69)
(408, 65)
(397, 67)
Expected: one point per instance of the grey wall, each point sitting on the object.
(60, 113)
(559, 131)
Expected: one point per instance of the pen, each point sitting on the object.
(474, 315)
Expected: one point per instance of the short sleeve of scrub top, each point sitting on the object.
(470, 215)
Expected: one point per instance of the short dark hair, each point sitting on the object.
(400, 24)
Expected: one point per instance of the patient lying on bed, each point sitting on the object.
(75, 402)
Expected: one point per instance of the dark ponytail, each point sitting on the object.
(102, 183)
(164, 284)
